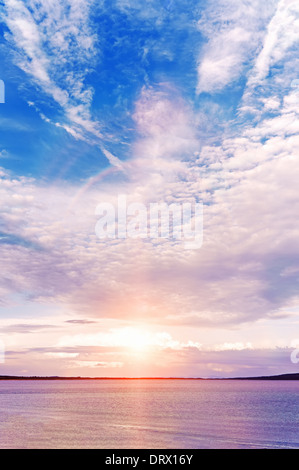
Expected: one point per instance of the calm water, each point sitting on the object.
(149, 414)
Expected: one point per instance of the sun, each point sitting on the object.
(135, 339)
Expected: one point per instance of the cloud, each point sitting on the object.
(24, 328)
(188, 362)
(3, 154)
(233, 346)
(11, 239)
(282, 35)
(116, 295)
(269, 84)
(96, 364)
(250, 238)
(234, 31)
(222, 62)
(55, 46)
(80, 322)
(128, 337)
(165, 124)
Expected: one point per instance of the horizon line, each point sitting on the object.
(285, 376)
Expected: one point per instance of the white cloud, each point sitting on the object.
(269, 85)
(234, 31)
(249, 186)
(130, 338)
(282, 34)
(97, 364)
(222, 62)
(250, 237)
(165, 123)
(233, 346)
(271, 103)
(48, 38)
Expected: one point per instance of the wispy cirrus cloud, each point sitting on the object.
(234, 32)
(282, 34)
(238, 276)
(54, 44)
(269, 84)
(114, 293)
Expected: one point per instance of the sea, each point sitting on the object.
(149, 414)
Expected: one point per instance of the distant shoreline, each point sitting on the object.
(53, 378)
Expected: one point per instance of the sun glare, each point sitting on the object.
(133, 338)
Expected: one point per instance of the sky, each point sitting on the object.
(164, 102)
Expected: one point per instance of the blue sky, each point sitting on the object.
(129, 51)
(132, 48)
(170, 101)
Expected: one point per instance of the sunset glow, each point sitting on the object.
(149, 188)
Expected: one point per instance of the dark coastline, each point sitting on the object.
(271, 377)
